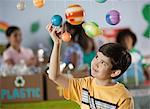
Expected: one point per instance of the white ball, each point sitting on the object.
(21, 6)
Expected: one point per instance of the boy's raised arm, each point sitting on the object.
(54, 67)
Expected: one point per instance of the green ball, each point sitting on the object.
(91, 29)
(101, 1)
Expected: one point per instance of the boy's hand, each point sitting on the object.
(54, 67)
(55, 33)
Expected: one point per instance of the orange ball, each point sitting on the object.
(74, 14)
(66, 37)
(39, 3)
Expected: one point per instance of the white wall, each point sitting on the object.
(130, 10)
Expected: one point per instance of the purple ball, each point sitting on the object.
(113, 17)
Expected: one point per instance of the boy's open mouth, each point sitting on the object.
(95, 70)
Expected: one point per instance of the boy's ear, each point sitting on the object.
(115, 73)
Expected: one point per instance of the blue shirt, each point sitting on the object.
(74, 48)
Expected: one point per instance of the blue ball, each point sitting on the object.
(56, 20)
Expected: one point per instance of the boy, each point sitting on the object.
(97, 92)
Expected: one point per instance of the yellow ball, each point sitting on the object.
(39, 3)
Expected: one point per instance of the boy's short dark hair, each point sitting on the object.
(120, 57)
(123, 34)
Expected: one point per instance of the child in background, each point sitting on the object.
(89, 51)
(73, 52)
(134, 75)
(88, 47)
(15, 53)
(99, 91)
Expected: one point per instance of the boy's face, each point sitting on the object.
(101, 67)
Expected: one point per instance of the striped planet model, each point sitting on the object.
(74, 14)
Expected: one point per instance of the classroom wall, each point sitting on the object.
(130, 10)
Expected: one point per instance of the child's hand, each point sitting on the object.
(54, 33)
